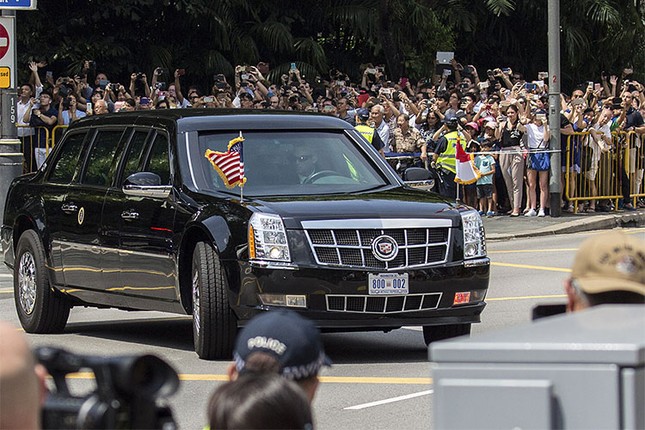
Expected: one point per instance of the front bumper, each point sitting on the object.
(339, 298)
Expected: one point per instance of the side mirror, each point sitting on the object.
(146, 184)
(416, 174)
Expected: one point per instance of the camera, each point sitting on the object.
(209, 99)
(161, 86)
(66, 103)
(64, 90)
(219, 78)
(139, 76)
(126, 395)
(396, 96)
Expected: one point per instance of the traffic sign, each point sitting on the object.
(7, 51)
(18, 4)
(4, 41)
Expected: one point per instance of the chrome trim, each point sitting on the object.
(366, 224)
(188, 155)
(387, 266)
(477, 262)
(366, 299)
(273, 265)
(151, 191)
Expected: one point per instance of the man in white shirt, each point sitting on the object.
(25, 93)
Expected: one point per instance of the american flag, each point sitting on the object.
(230, 164)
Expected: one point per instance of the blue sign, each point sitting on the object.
(18, 4)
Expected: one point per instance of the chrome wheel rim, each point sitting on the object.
(27, 283)
(196, 308)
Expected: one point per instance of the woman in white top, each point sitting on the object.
(538, 135)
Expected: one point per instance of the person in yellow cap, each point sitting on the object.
(608, 268)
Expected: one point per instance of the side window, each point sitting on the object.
(158, 161)
(135, 153)
(64, 166)
(99, 162)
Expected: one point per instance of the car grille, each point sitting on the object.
(353, 248)
(382, 304)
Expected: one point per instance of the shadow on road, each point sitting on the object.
(175, 333)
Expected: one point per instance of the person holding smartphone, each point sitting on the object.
(538, 135)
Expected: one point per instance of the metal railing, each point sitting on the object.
(37, 146)
(606, 173)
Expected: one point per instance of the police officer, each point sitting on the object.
(444, 156)
(369, 133)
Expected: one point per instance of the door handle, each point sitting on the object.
(69, 208)
(129, 215)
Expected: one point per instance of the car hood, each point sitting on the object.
(394, 203)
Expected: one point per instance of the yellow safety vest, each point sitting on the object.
(447, 158)
(366, 131)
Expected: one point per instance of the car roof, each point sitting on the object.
(186, 120)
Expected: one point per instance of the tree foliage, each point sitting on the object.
(211, 36)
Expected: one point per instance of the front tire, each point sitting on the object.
(440, 332)
(214, 324)
(41, 308)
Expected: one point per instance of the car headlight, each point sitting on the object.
(268, 238)
(474, 241)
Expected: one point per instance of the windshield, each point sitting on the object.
(288, 163)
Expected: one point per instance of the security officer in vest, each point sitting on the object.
(444, 156)
(369, 133)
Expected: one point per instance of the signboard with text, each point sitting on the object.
(7, 52)
(18, 4)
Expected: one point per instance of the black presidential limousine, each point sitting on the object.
(128, 212)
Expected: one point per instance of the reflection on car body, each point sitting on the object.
(324, 226)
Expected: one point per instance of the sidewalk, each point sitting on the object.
(506, 227)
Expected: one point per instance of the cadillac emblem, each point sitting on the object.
(81, 216)
(385, 248)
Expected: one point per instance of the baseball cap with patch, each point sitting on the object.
(292, 339)
(363, 113)
(610, 261)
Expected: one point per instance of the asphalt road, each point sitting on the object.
(378, 380)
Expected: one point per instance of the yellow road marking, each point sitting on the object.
(552, 296)
(535, 251)
(327, 379)
(529, 266)
(6, 290)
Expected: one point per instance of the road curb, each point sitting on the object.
(599, 222)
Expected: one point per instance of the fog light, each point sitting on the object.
(292, 301)
(461, 298)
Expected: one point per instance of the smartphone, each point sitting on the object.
(506, 70)
(209, 99)
(447, 72)
(370, 71)
(244, 76)
(530, 86)
(597, 86)
(543, 75)
(293, 67)
(181, 72)
(483, 85)
(88, 108)
(340, 83)
(219, 78)
(144, 101)
(49, 74)
(103, 83)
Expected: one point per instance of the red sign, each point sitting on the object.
(4, 41)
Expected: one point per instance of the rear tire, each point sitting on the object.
(214, 324)
(440, 332)
(41, 308)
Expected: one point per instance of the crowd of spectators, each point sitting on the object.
(501, 106)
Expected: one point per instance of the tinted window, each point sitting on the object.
(64, 166)
(135, 153)
(159, 162)
(99, 170)
(290, 163)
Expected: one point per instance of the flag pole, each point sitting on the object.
(242, 178)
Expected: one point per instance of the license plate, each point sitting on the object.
(388, 283)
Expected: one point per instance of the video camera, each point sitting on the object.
(127, 389)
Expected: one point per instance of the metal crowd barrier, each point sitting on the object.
(604, 173)
(37, 146)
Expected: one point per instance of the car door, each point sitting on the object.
(145, 223)
(62, 171)
(82, 251)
